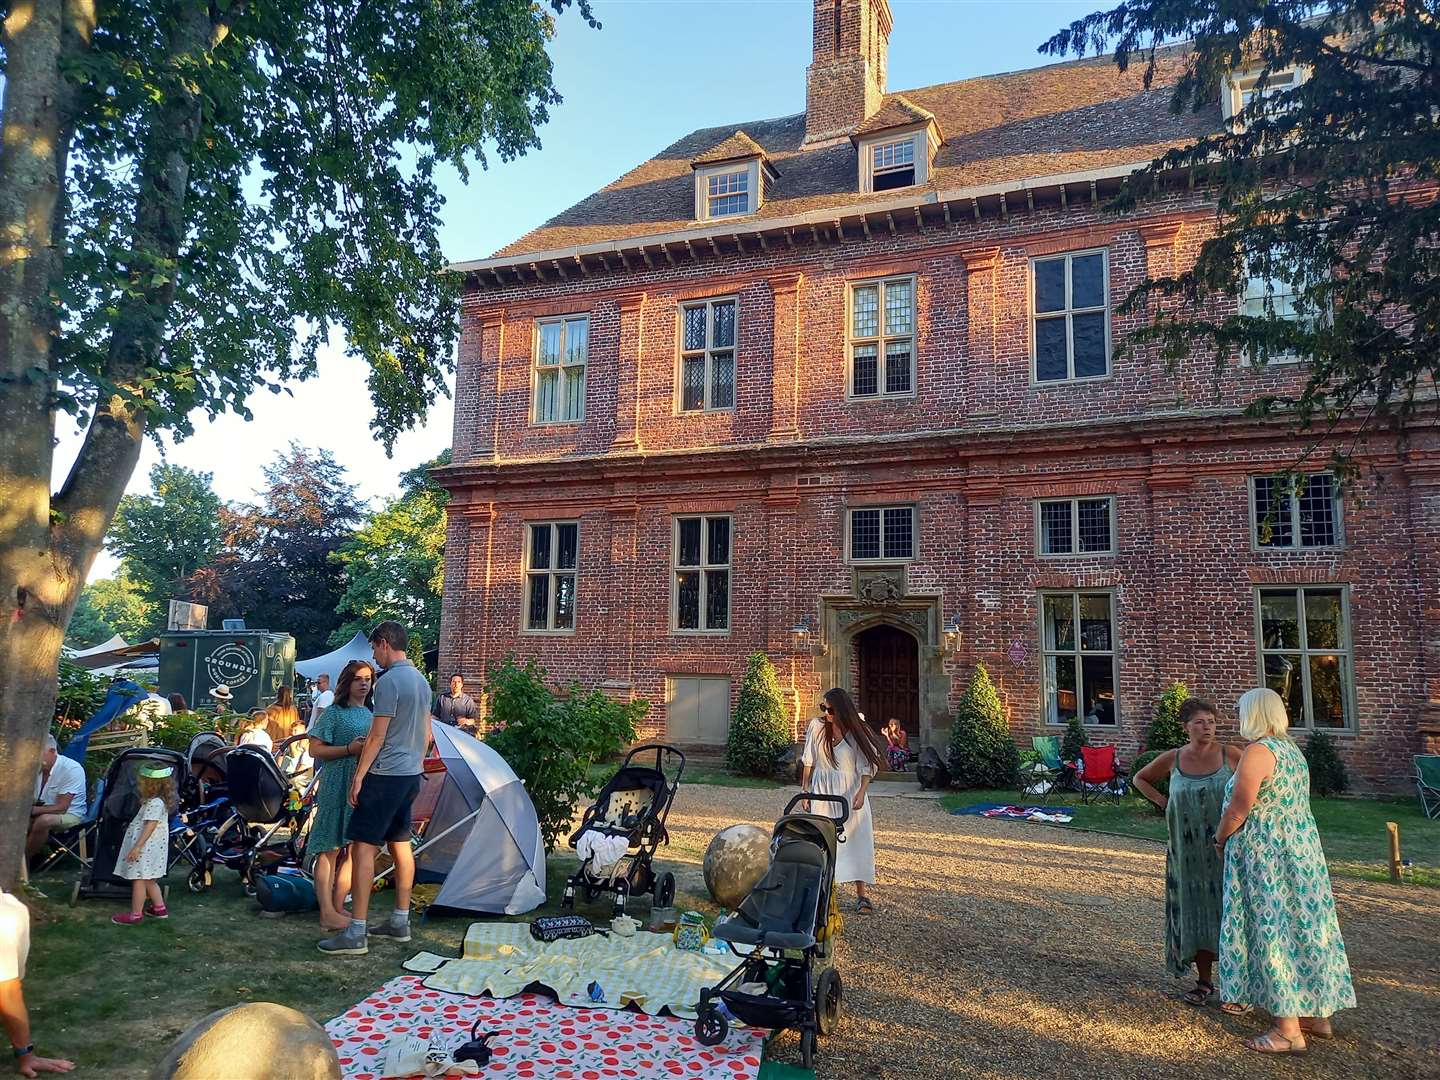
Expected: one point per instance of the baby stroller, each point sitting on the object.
(619, 833)
(789, 921)
(262, 802)
(120, 804)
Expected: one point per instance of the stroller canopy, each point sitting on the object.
(483, 840)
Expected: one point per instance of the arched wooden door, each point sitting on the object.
(889, 677)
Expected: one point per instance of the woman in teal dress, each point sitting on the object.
(1280, 944)
(1197, 773)
(336, 739)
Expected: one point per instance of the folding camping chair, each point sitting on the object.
(75, 842)
(1041, 777)
(1427, 783)
(1100, 774)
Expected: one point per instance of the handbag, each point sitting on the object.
(558, 927)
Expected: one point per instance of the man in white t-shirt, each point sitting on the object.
(14, 951)
(324, 698)
(59, 797)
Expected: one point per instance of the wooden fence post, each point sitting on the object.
(1394, 830)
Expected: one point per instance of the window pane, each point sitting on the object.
(865, 534)
(897, 367)
(1098, 686)
(694, 328)
(1059, 622)
(717, 551)
(1317, 511)
(1328, 678)
(550, 334)
(539, 607)
(1087, 281)
(724, 332)
(1060, 697)
(1094, 525)
(687, 600)
(689, 536)
(1088, 333)
(574, 394)
(1324, 619)
(568, 537)
(717, 599)
(899, 311)
(1282, 674)
(564, 601)
(546, 395)
(1050, 285)
(577, 338)
(1055, 528)
(1279, 620)
(1272, 513)
(865, 304)
(539, 547)
(867, 380)
(899, 533)
(722, 380)
(692, 383)
(1050, 350)
(1095, 624)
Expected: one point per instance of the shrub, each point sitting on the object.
(1327, 771)
(78, 694)
(176, 730)
(760, 728)
(1073, 739)
(1166, 732)
(1162, 785)
(982, 752)
(551, 743)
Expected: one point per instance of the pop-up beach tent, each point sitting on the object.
(483, 839)
(332, 663)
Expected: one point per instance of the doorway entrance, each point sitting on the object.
(888, 682)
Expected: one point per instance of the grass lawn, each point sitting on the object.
(1352, 831)
(114, 998)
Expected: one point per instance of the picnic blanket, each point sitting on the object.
(538, 1039)
(647, 971)
(1052, 814)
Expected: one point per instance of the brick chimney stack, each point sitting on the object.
(846, 78)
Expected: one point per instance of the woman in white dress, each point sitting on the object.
(841, 755)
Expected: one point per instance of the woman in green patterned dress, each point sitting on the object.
(1280, 944)
(1197, 772)
(336, 739)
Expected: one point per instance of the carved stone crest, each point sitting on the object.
(883, 587)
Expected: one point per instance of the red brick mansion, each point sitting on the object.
(839, 386)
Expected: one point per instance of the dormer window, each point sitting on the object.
(727, 194)
(892, 164)
(1244, 90)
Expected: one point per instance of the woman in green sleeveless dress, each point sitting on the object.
(1197, 772)
(1280, 943)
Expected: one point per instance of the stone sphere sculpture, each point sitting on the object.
(735, 860)
(255, 1041)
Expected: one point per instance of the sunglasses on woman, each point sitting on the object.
(827, 709)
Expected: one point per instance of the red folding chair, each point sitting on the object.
(1101, 775)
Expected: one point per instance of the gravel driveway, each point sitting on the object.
(1005, 951)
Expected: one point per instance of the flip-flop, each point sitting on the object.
(1269, 1044)
(1201, 993)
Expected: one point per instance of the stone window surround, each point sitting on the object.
(703, 566)
(562, 367)
(708, 303)
(1294, 508)
(882, 559)
(1114, 653)
(881, 339)
(552, 572)
(1075, 552)
(1037, 255)
(1346, 650)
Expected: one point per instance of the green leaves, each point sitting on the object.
(760, 728)
(982, 750)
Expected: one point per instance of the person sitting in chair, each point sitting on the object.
(897, 745)
(59, 797)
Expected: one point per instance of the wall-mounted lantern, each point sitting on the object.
(804, 639)
(950, 638)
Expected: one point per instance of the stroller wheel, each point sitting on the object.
(665, 890)
(711, 1028)
(196, 881)
(807, 1049)
(828, 992)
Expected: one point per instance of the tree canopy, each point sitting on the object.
(164, 537)
(1325, 187)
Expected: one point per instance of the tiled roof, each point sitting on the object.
(895, 111)
(738, 145)
(1064, 118)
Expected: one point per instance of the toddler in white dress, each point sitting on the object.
(144, 851)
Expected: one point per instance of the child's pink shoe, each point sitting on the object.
(126, 918)
(161, 912)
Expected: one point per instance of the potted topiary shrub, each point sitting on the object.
(760, 728)
(982, 752)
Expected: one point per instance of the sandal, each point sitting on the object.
(1235, 1008)
(1269, 1043)
(1202, 992)
(1309, 1028)
(864, 907)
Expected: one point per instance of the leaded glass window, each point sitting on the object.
(882, 338)
(1305, 653)
(552, 561)
(1075, 526)
(1071, 324)
(882, 534)
(560, 355)
(701, 567)
(707, 355)
(1077, 639)
(1296, 511)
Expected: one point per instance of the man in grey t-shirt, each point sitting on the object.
(387, 779)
